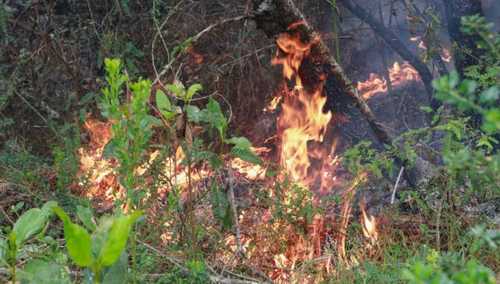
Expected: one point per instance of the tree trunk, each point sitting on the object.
(392, 40)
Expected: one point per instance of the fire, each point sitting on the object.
(369, 225)
(402, 73)
(302, 119)
(374, 85)
(399, 74)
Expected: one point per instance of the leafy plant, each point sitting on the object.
(132, 127)
(30, 223)
(100, 250)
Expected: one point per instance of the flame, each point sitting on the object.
(302, 119)
(369, 226)
(400, 74)
(374, 85)
(273, 104)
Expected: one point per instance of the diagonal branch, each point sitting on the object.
(392, 40)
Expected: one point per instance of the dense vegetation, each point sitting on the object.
(139, 181)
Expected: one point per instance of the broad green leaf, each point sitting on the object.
(164, 105)
(100, 235)
(246, 154)
(47, 208)
(29, 224)
(177, 89)
(117, 238)
(78, 240)
(216, 118)
(242, 149)
(193, 89)
(240, 142)
(85, 215)
(194, 114)
(42, 272)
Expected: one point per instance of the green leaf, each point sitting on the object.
(177, 89)
(492, 121)
(490, 96)
(242, 149)
(193, 89)
(78, 240)
(216, 118)
(85, 215)
(426, 109)
(117, 238)
(193, 113)
(164, 105)
(240, 142)
(42, 272)
(31, 223)
(246, 154)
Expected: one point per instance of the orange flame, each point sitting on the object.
(402, 73)
(302, 119)
(374, 85)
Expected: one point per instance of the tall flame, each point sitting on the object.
(302, 119)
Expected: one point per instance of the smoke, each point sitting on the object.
(491, 10)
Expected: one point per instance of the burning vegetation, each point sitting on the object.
(251, 160)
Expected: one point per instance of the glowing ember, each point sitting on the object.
(374, 85)
(402, 73)
(302, 119)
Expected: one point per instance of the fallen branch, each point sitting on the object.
(392, 40)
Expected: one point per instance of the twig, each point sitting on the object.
(196, 38)
(37, 113)
(177, 263)
(393, 197)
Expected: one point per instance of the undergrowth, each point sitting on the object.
(178, 215)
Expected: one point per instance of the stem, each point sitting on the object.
(97, 274)
(13, 273)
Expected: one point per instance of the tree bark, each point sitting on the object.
(465, 51)
(392, 40)
(274, 17)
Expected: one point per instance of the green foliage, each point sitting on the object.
(66, 161)
(221, 208)
(447, 268)
(29, 224)
(294, 204)
(132, 126)
(101, 249)
(362, 158)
